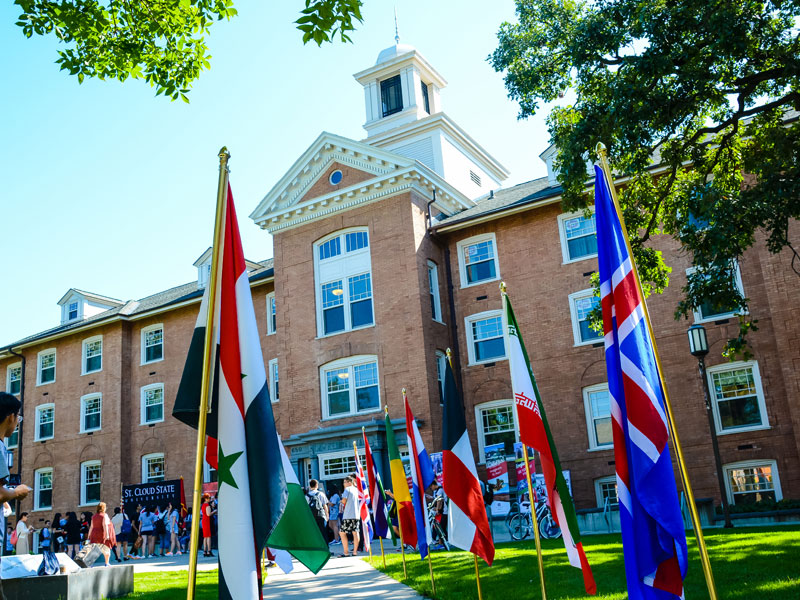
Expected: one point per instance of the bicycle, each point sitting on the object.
(520, 525)
(437, 531)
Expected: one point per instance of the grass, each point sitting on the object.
(747, 563)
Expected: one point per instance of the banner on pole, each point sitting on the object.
(519, 462)
(151, 494)
(438, 467)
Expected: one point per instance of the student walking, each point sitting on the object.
(101, 532)
(318, 502)
(350, 522)
(173, 526)
(333, 513)
(73, 533)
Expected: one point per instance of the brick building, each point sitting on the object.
(387, 251)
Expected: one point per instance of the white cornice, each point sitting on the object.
(390, 67)
(416, 177)
(305, 171)
(446, 124)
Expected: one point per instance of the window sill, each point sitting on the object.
(743, 430)
(330, 335)
(148, 423)
(89, 504)
(357, 414)
(486, 362)
(85, 431)
(271, 332)
(42, 509)
(588, 343)
(44, 439)
(713, 319)
(152, 362)
(38, 384)
(601, 448)
(92, 372)
(477, 283)
(577, 260)
(440, 322)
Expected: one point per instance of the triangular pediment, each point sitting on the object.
(364, 162)
(366, 174)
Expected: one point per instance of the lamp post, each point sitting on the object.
(698, 346)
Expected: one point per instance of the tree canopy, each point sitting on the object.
(160, 41)
(696, 103)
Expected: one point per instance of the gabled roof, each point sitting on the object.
(90, 296)
(135, 309)
(286, 205)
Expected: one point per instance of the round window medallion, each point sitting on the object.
(335, 178)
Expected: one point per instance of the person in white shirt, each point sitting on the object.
(349, 516)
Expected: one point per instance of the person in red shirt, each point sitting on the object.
(101, 531)
(207, 512)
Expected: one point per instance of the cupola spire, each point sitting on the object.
(396, 30)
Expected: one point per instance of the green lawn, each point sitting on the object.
(749, 563)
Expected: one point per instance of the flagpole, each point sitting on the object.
(364, 530)
(399, 523)
(378, 489)
(698, 530)
(219, 224)
(383, 556)
(430, 566)
(531, 493)
(449, 354)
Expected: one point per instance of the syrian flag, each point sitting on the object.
(422, 477)
(363, 501)
(379, 512)
(260, 499)
(402, 497)
(535, 432)
(468, 525)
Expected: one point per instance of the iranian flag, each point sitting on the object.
(535, 432)
(260, 499)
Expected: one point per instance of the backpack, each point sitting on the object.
(14, 538)
(126, 525)
(317, 504)
(161, 527)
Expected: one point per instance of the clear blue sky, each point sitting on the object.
(108, 188)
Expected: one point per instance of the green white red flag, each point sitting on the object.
(535, 432)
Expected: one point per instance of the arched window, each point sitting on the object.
(350, 386)
(343, 276)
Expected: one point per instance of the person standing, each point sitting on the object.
(173, 527)
(147, 520)
(207, 513)
(350, 521)
(45, 537)
(24, 532)
(73, 534)
(117, 521)
(318, 502)
(333, 514)
(9, 420)
(101, 532)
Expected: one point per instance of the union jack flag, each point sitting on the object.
(653, 536)
(363, 500)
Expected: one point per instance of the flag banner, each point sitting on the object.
(519, 464)
(497, 477)
(438, 467)
(467, 524)
(184, 509)
(363, 502)
(534, 431)
(377, 495)
(421, 479)
(400, 489)
(653, 536)
(260, 499)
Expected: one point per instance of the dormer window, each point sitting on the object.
(73, 311)
(391, 96)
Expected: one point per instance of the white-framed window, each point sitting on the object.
(91, 412)
(343, 274)
(606, 490)
(274, 384)
(737, 397)
(153, 343)
(338, 465)
(14, 378)
(350, 386)
(708, 311)
(497, 423)
(597, 401)
(477, 260)
(153, 468)
(578, 236)
(72, 311)
(485, 339)
(13, 441)
(43, 489)
(441, 357)
(92, 360)
(46, 366)
(752, 481)
(433, 286)
(45, 422)
(91, 472)
(581, 305)
(152, 403)
(272, 314)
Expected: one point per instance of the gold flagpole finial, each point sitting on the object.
(363, 429)
(355, 447)
(404, 392)
(386, 410)
(224, 152)
(502, 287)
(601, 149)
(449, 353)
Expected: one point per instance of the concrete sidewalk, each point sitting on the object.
(347, 578)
